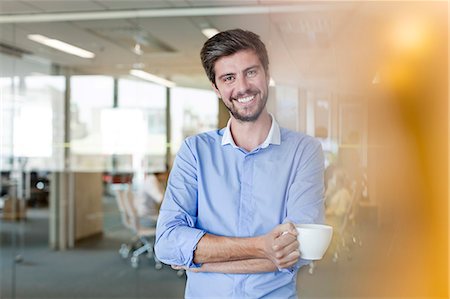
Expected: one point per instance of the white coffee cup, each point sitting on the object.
(314, 240)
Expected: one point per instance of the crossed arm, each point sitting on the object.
(267, 253)
(235, 267)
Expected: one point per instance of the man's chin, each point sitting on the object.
(247, 118)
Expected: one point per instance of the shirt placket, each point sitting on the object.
(246, 213)
(245, 227)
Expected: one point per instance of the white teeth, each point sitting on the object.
(246, 99)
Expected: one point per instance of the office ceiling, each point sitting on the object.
(324, 45)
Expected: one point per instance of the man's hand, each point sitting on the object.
(281, 245)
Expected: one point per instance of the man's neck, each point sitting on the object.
(249, 135)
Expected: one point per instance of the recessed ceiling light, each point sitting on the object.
(210, 32)
(61, 46)
(138, 49)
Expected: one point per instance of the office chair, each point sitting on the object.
(143, 242)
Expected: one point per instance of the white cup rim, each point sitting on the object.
(313, 225)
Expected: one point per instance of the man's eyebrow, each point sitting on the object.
(227, 74)
(252, 67)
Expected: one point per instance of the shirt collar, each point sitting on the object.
(274, 136)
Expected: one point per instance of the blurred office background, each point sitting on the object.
(368, 79)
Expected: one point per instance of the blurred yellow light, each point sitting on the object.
(409, 34)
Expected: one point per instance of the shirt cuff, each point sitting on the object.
(301, 262)
(194, 235)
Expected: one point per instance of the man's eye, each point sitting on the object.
(228, 78)
(251, 73)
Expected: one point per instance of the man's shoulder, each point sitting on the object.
(291, 136)
(205, 138)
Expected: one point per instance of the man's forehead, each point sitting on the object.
(240, 60)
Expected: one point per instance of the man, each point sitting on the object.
(234, 194)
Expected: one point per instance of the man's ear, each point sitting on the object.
(216, 90)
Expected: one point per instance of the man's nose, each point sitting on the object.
(242, 85)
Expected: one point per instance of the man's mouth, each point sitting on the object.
(246, 99)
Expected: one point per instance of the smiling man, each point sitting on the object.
(233, 194)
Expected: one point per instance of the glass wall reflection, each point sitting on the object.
(192, 111)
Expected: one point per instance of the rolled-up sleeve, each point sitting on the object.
(176, 234)
(305, 196)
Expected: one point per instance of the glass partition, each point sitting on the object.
(90, 96)
(139, 139)
(32, 123)
(192, 111)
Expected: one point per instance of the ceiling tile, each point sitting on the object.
(178, 3)
(64, 5)
(7, 33)
(129, 37)
(17, 7)
(281, 2)
(209, 3)
(125, 5)
(258, 23)
(179, 33)
(92, 24)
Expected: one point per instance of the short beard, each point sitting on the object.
(249, 118)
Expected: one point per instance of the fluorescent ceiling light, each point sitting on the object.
(209, 32)
(61, 46)
(150, 77)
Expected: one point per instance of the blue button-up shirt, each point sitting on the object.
(218, 188)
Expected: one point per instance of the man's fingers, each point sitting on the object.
(291, 247)
(283, 241)
(286, 250)
(280, 242)
(284, 229)
(293, 229)
(289, 260)
(287, 255)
